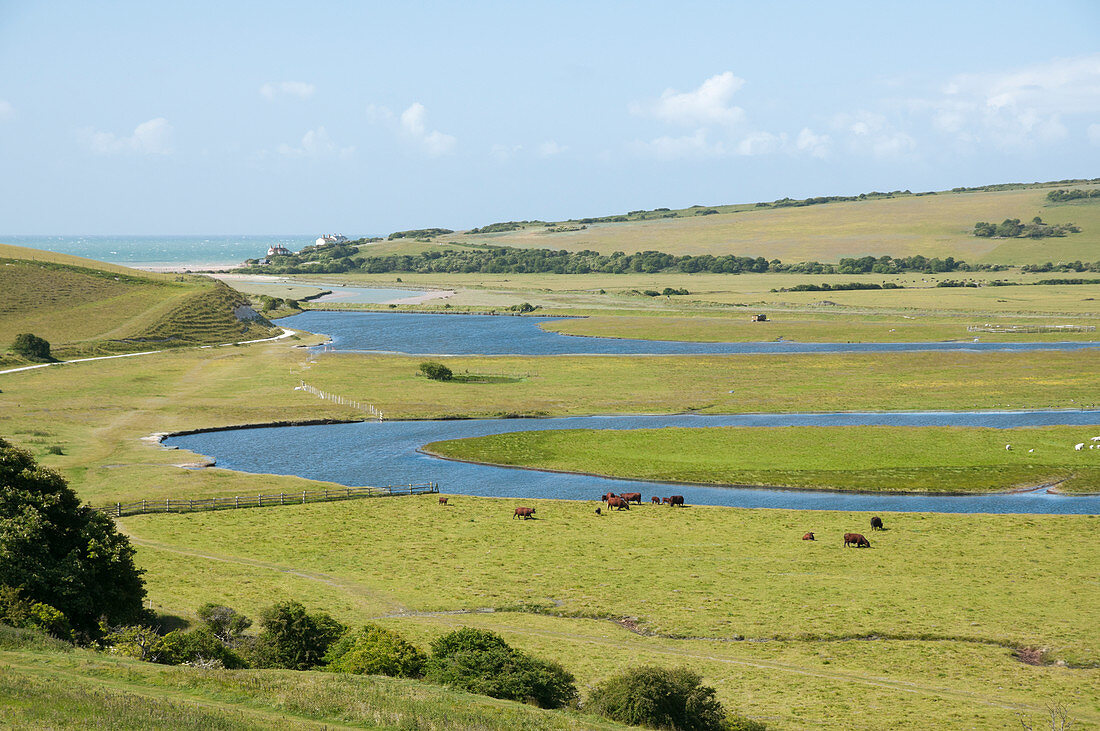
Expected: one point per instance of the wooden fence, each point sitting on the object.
(189, 505)
(338, 399)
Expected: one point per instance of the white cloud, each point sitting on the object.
(870, 132)
(707, 105)
(1093, 133)
(414, 126)
(1016, 109)
(149, 138)
(761, 143)
(688, 146)
(299, 89)
(315, 143)
(7, 111)
(813, 144)
(550, 148)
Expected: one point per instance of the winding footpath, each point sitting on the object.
(285, 334)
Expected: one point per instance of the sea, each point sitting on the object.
(198, 252)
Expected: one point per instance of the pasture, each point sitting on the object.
(931, 225)
(871, 459)
(918, 631)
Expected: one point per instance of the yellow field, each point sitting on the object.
(933, 225)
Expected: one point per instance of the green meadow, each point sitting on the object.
(870, 459)
(919, 631)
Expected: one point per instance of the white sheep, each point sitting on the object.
(1008, 447)
(1095, 439)
(1080, 446)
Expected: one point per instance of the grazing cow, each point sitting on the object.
(655, 500)
(598, 512)
(442, 501)
(857, 540)
(675, 500)
(607, 496)
(632, 497)
(524, 513)
(617, 502)
(876, 523)
(1080, 446)
(808, 537)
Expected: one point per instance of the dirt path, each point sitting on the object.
(285, 334)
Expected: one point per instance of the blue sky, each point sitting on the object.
(365, 118)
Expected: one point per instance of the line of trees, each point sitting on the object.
(1011, 228)
(512, 260)
(1064, 196)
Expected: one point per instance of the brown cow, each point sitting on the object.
(632, 497)
(442, 501)
(607, 496)
(675, 500)
(655, 500)
(617, 502)
(876, 523)
(524, 513)
(857, 540)
(808, 537)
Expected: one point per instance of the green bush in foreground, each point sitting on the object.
(480, 661)
(375, 650)
(199, 647)
(664, 699)
(436, 371)
(293, 639)
(31, 346)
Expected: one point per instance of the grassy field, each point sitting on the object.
(93, 690)
(86, 310)
(873, 459)
(934, 225)
(918, 632)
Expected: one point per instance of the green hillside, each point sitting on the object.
(85, 308)
(88, 689)
(898, 224)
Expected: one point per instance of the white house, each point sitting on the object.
(330, 239)
(277, 250)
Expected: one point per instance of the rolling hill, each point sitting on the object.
(898, 224)
(84, 307)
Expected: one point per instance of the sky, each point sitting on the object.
(366, 118)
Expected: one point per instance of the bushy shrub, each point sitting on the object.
(200, 646)
(665, 699)
(292, 638)
(31, 346)
(436, 371)
(481, 662)
(136, 641)
(375, 650)
(17, 611)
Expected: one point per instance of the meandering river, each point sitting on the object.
(428, 334)
(382, 453)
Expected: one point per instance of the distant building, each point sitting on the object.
(277, 250)
(330, 239)
(759, 318)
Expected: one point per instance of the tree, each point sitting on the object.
(375, 650)
(436, 371)
(294, 639)
(62, 554)
(665, 699)
(198, 647)
(31, 346)
(223, 622)
(480, 661)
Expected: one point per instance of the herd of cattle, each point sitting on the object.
(622, 502)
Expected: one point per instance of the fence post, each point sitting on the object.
(191, 506)
(303, 497)
(259, 501)
(118, 509)
(281, 500)
(348, 492)
(143, 507)
(237, 501)
(168, 505)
